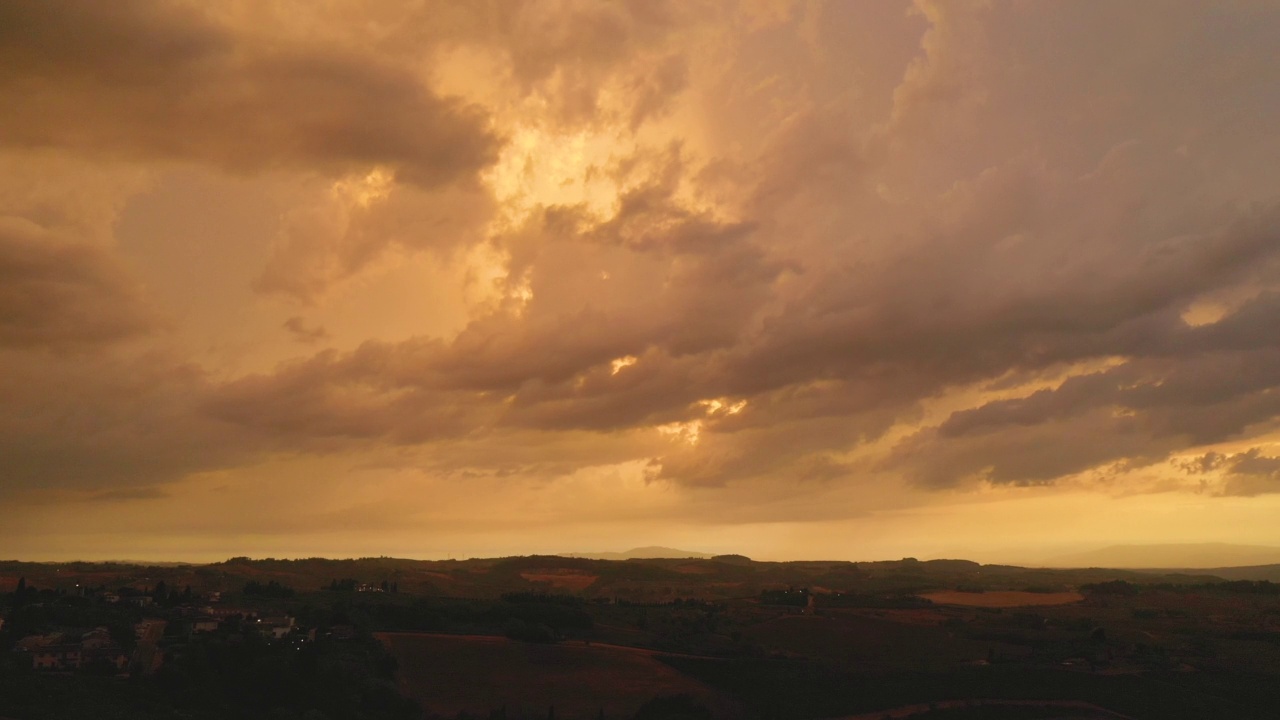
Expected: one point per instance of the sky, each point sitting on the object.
(798, 280)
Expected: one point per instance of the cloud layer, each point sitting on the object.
(821, 251)
(164, 81)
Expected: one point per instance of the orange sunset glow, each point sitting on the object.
(796, 280)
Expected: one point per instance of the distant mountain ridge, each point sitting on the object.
(1270, 573)
(651, 552)
(1175, 555)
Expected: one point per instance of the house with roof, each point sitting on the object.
(276, 627)
(56, 657)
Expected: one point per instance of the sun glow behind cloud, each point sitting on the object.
(365, 190)
(541, 168)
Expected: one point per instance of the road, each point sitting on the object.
(144, 656)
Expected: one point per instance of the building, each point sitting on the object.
(56, 657)
(276, 627)
(226, 612)
(148, 628)
(31, 643)
(96, 638)
(111, 655)
(54, 653)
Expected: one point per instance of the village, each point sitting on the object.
(528, 633)
(164, 623)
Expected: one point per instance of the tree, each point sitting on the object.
(271, 589)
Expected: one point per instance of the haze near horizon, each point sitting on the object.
(797, 280)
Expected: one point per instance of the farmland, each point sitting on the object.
(729, 638)
(449, 674)
(868, 642)
(1002, 598)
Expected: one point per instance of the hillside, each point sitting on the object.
(1183, 555)
(651, 552)
(540, 636)
(641, 580)
(1270, 573)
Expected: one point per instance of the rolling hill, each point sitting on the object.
(1186, 555)
(652, 552)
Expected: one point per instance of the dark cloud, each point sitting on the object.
(827, 261)
(129, 494)
(63, 294)
(1247, 473)
(149, 80)
(1031, 454)
(1143, 409)
(101, 423)
(304, 333)
(830, 351)
(324, 243)
(624, 288)
(377, 392)
(569, 52)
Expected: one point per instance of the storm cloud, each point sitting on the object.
(850, 257)
(158, 80)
